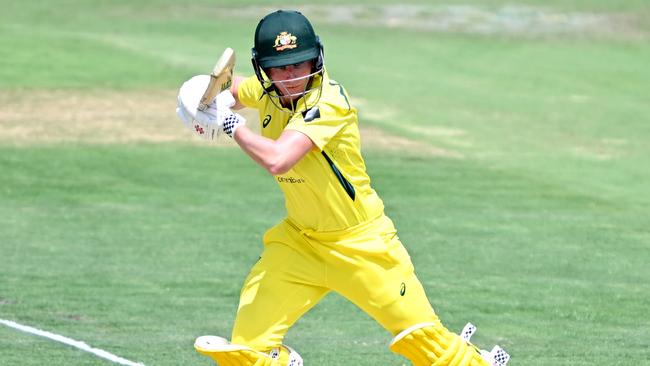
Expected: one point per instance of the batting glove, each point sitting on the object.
(209, 122)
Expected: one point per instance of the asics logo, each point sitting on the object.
(266, 121)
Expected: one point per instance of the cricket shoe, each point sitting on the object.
(496, 357)
(226, 353)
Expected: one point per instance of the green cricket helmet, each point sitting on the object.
(282, 38)
(285, 37)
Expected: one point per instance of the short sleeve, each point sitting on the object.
(249, 92)
(320, 123)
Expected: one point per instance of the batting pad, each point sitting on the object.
(227, 354)
(431, 344)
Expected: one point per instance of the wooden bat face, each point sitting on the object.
(220, 79)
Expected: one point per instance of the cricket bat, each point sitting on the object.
(220, 79)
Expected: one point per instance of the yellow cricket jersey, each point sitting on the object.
(328, 189)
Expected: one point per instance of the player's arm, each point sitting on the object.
(236, 80)
(276, 156)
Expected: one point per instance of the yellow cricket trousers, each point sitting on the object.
(366, 264)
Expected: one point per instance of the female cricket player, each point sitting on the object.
(336, 236)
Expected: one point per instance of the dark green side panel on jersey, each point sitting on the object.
(344, 182)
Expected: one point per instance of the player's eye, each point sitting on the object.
(295, 66)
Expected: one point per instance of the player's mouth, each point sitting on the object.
(296, 87)
(293, 87)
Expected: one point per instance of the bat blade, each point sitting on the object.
(220, 79)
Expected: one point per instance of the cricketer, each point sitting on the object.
(336, 236)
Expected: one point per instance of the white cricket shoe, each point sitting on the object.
(496, 357)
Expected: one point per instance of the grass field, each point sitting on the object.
(513, 161)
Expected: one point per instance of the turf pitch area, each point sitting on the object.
(515, 166)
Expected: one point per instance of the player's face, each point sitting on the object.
(291, 80)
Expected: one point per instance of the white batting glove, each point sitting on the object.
(209, 122)
(188, 100)
(227, 119)
(231, 122)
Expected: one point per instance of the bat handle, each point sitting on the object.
(202, 106)
(209, 95)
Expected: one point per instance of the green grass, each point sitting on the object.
(113, 246)
(539, 234)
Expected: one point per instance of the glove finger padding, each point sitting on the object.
(184, 116)
(225, 100)
(203, 123)
(228, 120)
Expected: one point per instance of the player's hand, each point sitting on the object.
(219, 109)
(209, 122)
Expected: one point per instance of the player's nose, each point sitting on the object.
(291, 70)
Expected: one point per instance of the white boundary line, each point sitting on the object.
(71, 342)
